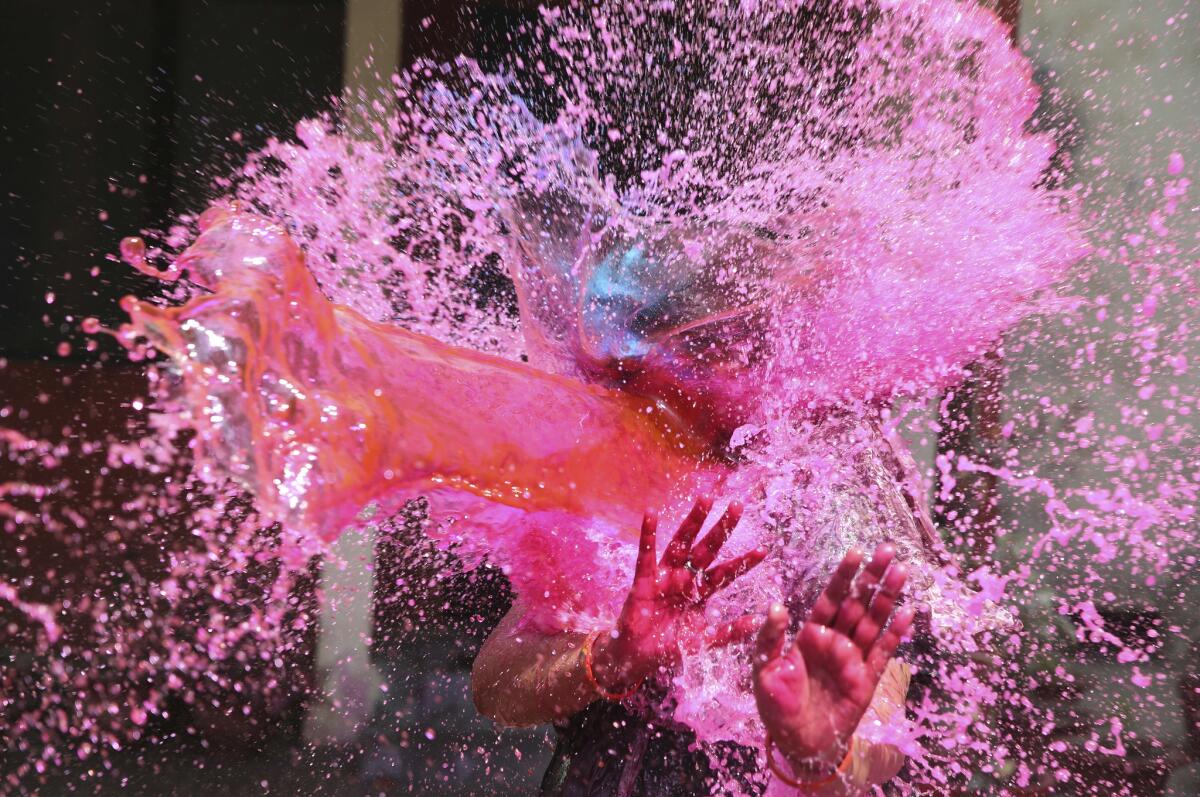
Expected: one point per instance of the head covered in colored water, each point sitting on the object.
(678, 313)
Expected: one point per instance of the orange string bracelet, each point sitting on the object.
(811, 784)
(591, 675)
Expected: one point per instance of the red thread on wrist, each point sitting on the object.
(590, 674)
(810, 784)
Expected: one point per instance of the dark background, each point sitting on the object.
(115, 116)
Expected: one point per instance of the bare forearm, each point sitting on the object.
(872, 765)
(529, 678)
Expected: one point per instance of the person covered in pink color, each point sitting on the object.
(608, 692)
(817, 667)
(812, 690)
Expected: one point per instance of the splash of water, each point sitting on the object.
(668, 247)
(321, 413)
(743, 272)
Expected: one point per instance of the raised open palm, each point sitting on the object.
(660, 617)
(812, 695)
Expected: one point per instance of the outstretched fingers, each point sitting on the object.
(826, 607)
(869, 627)
(644, 572)
(854, 608)
(771, 637)
(680, 546)
(883, 649)
(726, 573)
(705, 552)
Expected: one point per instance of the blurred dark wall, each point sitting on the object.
(114, 116)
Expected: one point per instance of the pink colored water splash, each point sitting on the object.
(671, 247)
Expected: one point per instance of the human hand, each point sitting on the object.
(812, 696)
(660, 616)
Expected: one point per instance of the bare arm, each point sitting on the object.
(523, 679)
(811, 695)
(526, 678)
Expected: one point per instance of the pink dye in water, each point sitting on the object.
(322, 413)
(769, 288)
(740, 239)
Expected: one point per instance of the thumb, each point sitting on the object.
(771, 636)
